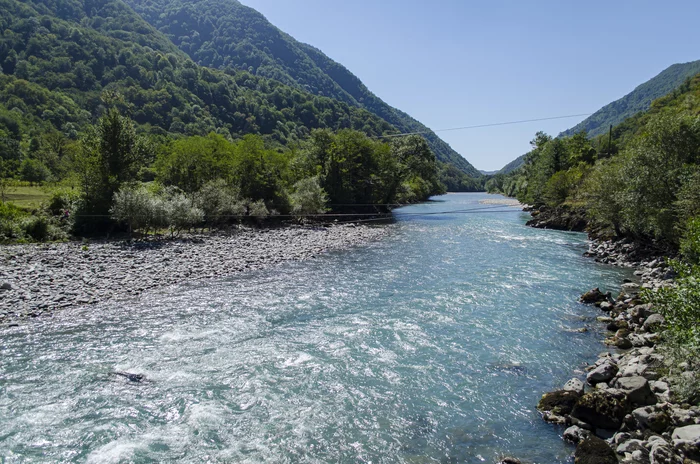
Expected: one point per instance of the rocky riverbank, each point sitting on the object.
(624, 409)
(559, 218)
(37, 280)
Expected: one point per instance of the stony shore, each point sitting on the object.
(37, 280)
(624, 410)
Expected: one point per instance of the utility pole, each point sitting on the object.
(610, 142)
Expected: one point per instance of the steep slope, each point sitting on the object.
(636, 101)
(58, 57)
(228, 35)
(513, 165)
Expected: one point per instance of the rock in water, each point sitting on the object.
(593, 450)
(594, 296)
(601, 409)
(559, 402)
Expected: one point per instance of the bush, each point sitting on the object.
(220, 203)
(181, 213)
(690, 243)
(309, 197)
(37, 228)
(258, 210)
(61, 201)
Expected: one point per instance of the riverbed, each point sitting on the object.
(431, 344)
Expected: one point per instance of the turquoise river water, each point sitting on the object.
(431, 345)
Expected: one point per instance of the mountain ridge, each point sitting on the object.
(637, 101)
(238, 37)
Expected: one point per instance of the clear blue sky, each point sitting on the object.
(451, 63)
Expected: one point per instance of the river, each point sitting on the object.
(431, 345)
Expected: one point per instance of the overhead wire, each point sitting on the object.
(478, 126)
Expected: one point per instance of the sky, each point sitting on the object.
(455, 63)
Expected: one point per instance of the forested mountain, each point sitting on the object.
(59, 57)
(227, 35)
(513, 165)
(636, 101)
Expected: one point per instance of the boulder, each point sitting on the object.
(559, 402)
(639, 312)
(630, 288)
(630, 446)
(662, 453)
(682, 417)
(688, 434)
(606, 306)
(602, 373)
(593, 450)
(576, 434)
(595, 296)
(601, 409)
(652, 417)
(574, 385)
(637, 389)
(636, 457)
(6, 286)
(653, 323)
(510, 460)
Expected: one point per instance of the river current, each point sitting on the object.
(431, 345)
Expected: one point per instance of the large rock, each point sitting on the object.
(601, 409)
(559, 402)
(687, 434)
(606, 371)
(662, 453)
(630, 446)
(576, 434)
(653, 418)
(653, 323)
(595, 296)
(593, 450)
(574, 385)
(637, 390)
(687, 441)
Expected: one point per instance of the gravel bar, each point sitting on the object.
(36, 280)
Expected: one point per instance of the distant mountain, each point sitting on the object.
(513, 165)
(227, 35)
(637, 101)
(487, 173)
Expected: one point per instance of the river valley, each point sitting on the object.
(432, 344)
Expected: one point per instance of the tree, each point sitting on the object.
(110, 155)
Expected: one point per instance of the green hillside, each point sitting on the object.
(59, 57)
(227, 35)
(636, 101)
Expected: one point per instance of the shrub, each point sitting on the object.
(220, 203)
(309, 197)
(258, 210)
(181, 213)
(62, 200)
(133, 206)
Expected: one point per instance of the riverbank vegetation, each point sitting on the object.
(641, 183)
(123, 180)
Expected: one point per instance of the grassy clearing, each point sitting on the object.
(27, 197)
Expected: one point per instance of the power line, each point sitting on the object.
(484, 125)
